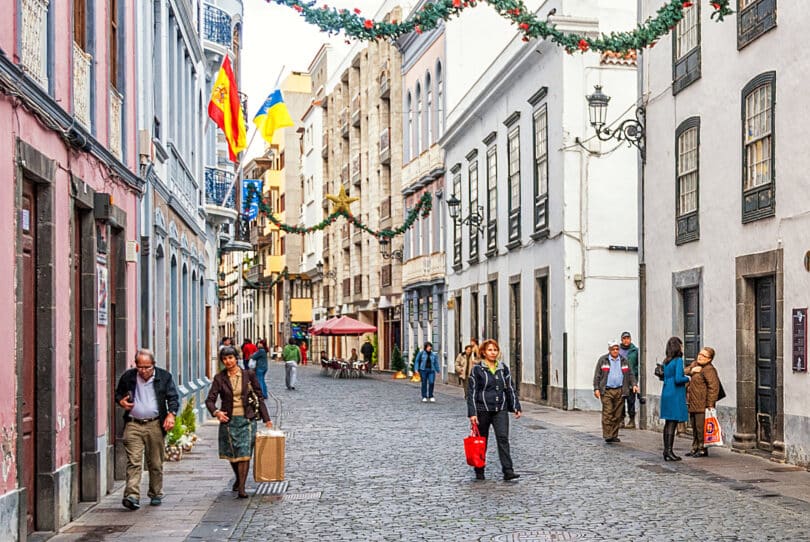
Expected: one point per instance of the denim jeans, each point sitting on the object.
(290, 369)
(428, 377)
(260, 374)
(500, 423)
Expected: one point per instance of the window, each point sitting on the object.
(417, 118)
(513, 160)
(686, 49)
(428, 111)
(687, 142)
(492, 200)
(754, 18)
(114, 52)
(34, 40)
(439, 99)
(408, 128)
(540, 121)
(758, 157)
(456, 172)
(80, 23)
(472, 179)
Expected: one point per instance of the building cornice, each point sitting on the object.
(14, 82)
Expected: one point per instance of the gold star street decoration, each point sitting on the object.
(342, 201)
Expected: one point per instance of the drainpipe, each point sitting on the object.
(642, 269)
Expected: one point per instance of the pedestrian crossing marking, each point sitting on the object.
(272, 488)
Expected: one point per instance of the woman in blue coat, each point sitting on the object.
(673, 396)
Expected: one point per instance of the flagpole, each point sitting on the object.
(239, 169)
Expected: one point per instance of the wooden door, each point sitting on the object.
(515, 334)
(691, 324)
(77, 350)
(29, 361)
(542, 368)
(766, 360)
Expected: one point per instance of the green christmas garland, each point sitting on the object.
(422, 208)
(250, 285)
(354, 25)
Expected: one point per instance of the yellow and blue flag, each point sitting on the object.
(272, 115)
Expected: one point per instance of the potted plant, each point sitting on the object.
(174, 450)
(397, 363)
(188, 419)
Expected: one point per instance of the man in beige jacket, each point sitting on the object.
(464, 364)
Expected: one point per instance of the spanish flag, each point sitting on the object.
(226, 110)
(272, 114)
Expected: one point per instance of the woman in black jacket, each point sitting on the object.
(237, 417)
(491, 395)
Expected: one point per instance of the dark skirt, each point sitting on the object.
(236, 439)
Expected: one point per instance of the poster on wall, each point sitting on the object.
(103, 297)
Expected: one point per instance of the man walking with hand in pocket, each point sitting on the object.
(150, 402)
(613, 380)
(291, 356)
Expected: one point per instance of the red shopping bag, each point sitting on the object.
(475, 448)
(712, 434)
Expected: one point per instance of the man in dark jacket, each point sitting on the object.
(629, 351)
(150, 402)
(368, 351)
(612, 382)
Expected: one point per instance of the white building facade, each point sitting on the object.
(726, 215)
(552, 273)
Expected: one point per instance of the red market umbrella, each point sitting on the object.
(344, 325)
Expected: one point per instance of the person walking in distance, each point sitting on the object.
(491, 396)
(291, 355)
(233, 387)
(260, 359)
(248, 349)
(673, 396)
(629, 351)
(427, 365)
(150, 401)
(368, 352)
(702, 392)
(303, 347)
(612, 381)
(463, 366)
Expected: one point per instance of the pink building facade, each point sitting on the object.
(68, 228)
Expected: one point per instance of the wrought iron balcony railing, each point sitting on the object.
(217, 183)
(217, 25)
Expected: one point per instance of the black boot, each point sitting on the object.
(669, 440)
(243, 467)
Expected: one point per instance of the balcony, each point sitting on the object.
(385, 85)
(116, 109)
(81, 85)
(241, 237)
(33, 50)
(356, 171)
(325, 146)
(344, 123)
(217, 183)
(255, 273)
(385, 146)
(356, 110)
(217, 26)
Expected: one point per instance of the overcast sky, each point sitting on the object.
(276, 36)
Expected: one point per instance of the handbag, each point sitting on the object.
(712, 433)
(251, 363)
(253, 400)
(659, 371)
(475, 448)
(722, 393)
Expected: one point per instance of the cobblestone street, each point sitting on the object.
(366, 460)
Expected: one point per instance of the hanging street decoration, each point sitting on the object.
(342, 201)
(340, 208)
(250, 285)
(354, 25)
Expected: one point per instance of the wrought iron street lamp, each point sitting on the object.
(474, 219)
(630, 130)
(387, 253)
(329, 274)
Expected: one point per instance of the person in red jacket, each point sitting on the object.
(248, 349)
(303, 348)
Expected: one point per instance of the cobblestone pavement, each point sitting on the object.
(366, 460)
